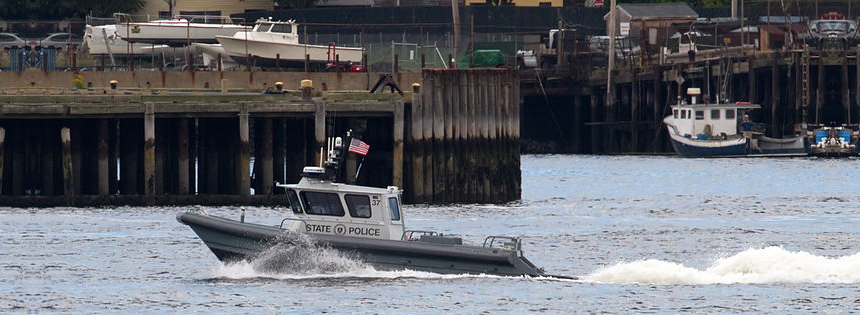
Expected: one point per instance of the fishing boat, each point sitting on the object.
(179, 31)
(272, 43)
(833, 141)
(366, 223)
(724, 130)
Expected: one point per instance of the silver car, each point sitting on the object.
(60, 41)
(11, 41)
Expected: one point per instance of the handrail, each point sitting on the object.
(292, 219)
(407, 235)
(512, 243)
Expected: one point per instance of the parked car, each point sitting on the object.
(11, 41)
(61, 41)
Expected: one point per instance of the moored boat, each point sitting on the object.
(366, 223)
(724, 130)
(833, 141)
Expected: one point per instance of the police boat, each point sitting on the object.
(366, 223)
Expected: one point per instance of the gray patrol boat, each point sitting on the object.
(363, 222)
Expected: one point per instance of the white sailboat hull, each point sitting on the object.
(287, 53)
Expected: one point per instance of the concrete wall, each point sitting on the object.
(201, 79)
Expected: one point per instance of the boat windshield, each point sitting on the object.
(395, 208)
(321, 203)
(294, 201)
(264, 27)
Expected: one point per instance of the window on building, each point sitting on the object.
(715, 114)
(730, 113)
(358, 205)
(164, 15)
(322, 203)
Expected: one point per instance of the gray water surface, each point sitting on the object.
(644, 234)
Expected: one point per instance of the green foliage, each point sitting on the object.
(60, 9)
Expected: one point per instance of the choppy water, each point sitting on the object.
(645, 234)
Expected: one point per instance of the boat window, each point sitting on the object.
(358, 205)
(675, 113)
(282, 28)
(683, 114)
(730, 114)
(395, 208)
(264, 27)
(322, 203)
(294, 201)
(700, 115)
(715, 114)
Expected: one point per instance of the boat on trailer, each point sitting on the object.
(276, 43)
(180, 31)
(366, 223)
(724, 130)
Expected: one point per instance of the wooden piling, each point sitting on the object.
(775, 119)
(278, 153)
(264, 157)
(149, 149)
(103, 153)
(416, 144)
(68, 174)
(635, 90)
(397, 149)
(846, 90)
(2, 157)
(427, 129)
(244, 161)
(439, 171)
(183, 174)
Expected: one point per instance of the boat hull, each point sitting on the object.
(267, 54)
(175, 34)
(232, 240)
(738, 147)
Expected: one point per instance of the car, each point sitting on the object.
(11, 41)
(60, 41)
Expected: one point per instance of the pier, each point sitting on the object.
(452, 137)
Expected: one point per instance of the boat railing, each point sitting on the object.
(505, 242)
(411, 235)
(292, 220)
(211, 19)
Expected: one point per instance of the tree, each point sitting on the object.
(61, 9)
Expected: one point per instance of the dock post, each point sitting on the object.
(427, 130)
(103, 152)
(2, 156)
(473, 133)
(463, 147)
(182, 157)
(319, 131)
(819, 93)
(244, 163)
(846, 89)
(47, 139)
(149, 149)
(416, 142)
(264, 157)
(397, 146)
(68, 174)
(634, 113)
(278, 153)
(594, 129)
(775, 119)
(439, 169)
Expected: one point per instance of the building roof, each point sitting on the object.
(646, 11)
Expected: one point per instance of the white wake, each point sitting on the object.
(755, 265)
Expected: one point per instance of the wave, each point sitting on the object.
(752, 266)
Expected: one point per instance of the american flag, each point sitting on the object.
(358, 147)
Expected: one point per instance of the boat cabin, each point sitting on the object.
(325, 207)
(273, 30)
(709, 121)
